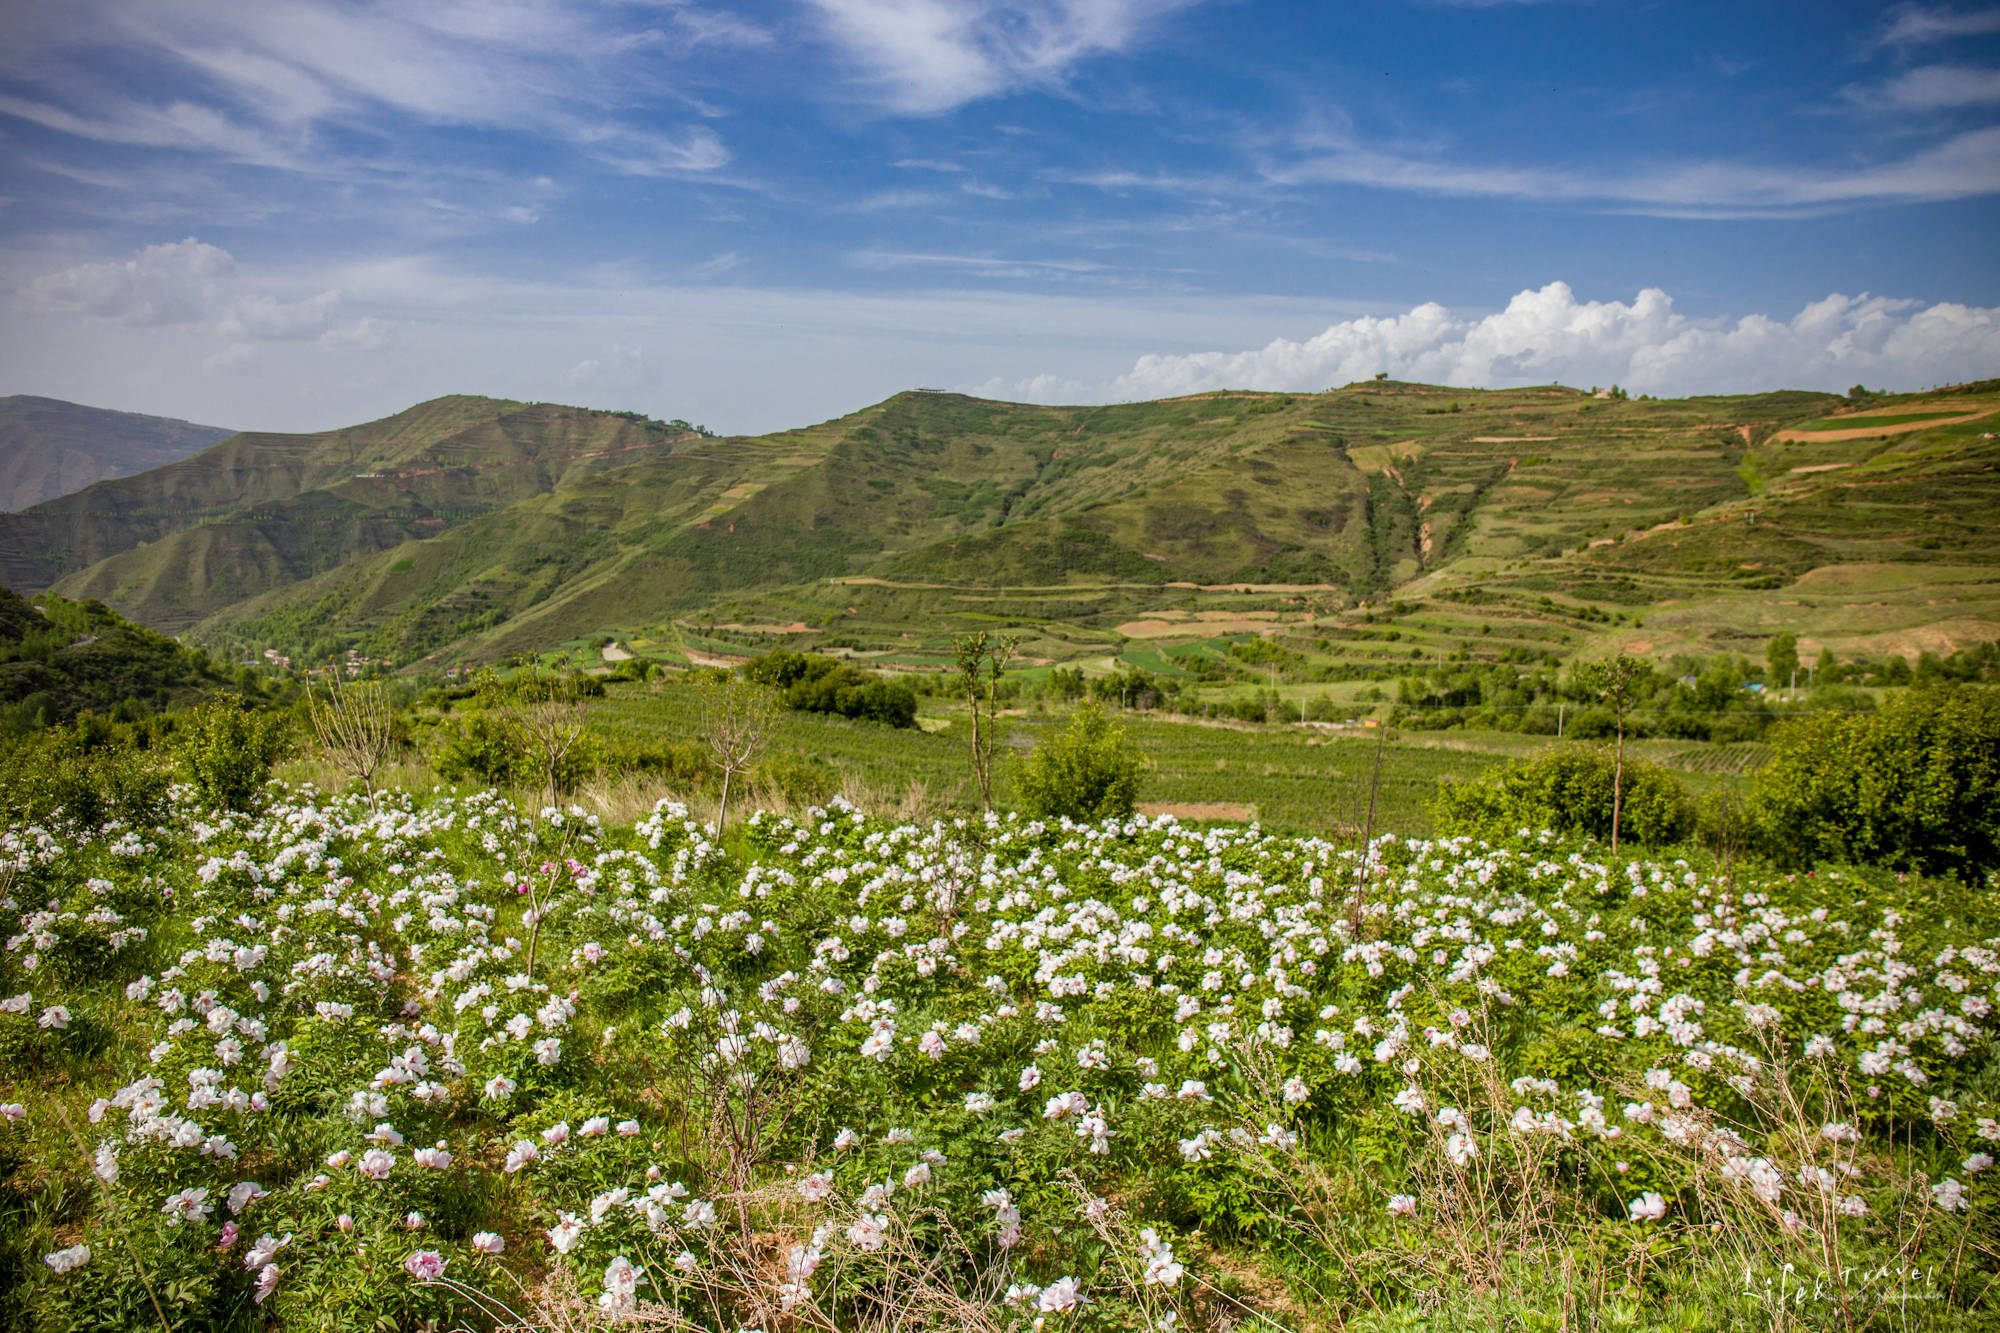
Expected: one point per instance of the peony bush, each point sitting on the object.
(440, 1061)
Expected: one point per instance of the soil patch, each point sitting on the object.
(1241, 814)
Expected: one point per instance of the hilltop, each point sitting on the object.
(1378, 522)
(50, 448)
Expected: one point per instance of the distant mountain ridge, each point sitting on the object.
(472, 528)
(259, 511)
(49, 448)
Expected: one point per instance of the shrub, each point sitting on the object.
(226, 750)
(92, 770)
(1567, 790)
(810, 683)
(482, 746)
(1089, 772)
(1916, 785)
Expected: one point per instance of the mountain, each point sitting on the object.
(257, 511)
(50, 448)
(1528, 522)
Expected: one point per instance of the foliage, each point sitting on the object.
(1916, 784)
(226, 750)
(1088, 772)
(92, 771)
(66, 658)
(811, 683)
(525, 730)
(1568, 789)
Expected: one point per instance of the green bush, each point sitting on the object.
(1568, 790)
(93, 770)
(226, 749)
(810, 683)
(1089, 772)
(482, 746)
(1916, 786)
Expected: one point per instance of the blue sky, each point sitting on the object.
(298, 213)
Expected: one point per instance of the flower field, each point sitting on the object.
(440, 1062)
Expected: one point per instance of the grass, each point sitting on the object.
(1305, 779)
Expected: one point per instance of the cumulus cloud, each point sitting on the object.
(187, 282)
(1548, 335)
(928, 56)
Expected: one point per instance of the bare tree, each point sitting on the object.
(1616, 681)
(356, 727)
(736, 721)
(982, 657)
(551, 718)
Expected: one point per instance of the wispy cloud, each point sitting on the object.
(271, 84)
(1964, 166)
(1919, 25)
(923, 57)
(975, 265)
(178, 124)
(888, 200)
(1932, 88)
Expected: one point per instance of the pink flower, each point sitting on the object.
(425, 1265)
(487, 1242)
(1060, 1295)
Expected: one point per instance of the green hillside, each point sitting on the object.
(63, 658)
(1376, 523)
(172, 546)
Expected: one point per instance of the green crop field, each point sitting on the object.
(1299, 778)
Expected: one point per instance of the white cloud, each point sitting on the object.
(1962, 167)
(235, 356)
(923, 57)
(267, 79)
(185, 282)
(1547, 335)
(1914, 25)
(1935, 88)
(985, 265)
(640, 152)
(367, 334)
(179, 124)
(618, 368)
